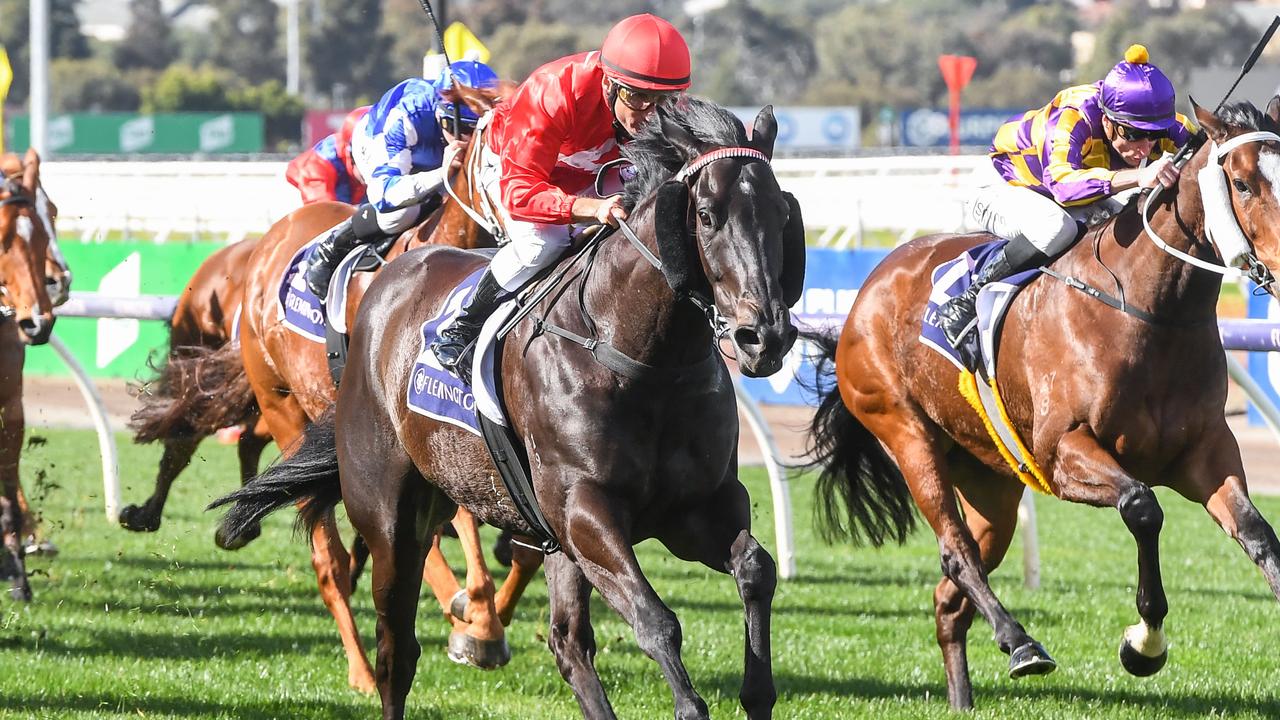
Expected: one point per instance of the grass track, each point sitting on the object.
(167, 626)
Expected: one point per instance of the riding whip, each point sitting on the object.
(457, 114)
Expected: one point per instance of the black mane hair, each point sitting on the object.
(1244, 114)
(656, 159)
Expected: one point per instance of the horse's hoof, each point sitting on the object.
(1140, 665)
(45, 548)
(483, 654)
(458, 605)
(132, 518)
(1030, 659)
(250, 534)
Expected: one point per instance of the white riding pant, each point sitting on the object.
(1009, 211)
(532, 246)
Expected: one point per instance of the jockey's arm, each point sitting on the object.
(530, 156)
(1065, 174)
(399, 186)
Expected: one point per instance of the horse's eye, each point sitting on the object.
(704, 217)
(1240, 186)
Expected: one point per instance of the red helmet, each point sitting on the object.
(647, 53)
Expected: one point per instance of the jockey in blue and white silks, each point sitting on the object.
(399, 147)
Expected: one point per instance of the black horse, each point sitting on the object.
(616, 457)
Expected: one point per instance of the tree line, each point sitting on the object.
(868, 53)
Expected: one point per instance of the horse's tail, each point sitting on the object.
(196, 391)
(307, 473)
(857, 475)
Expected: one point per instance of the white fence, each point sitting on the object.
(841, 197)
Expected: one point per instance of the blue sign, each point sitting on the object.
(930, 128)
(812, 128)
(831, 282)
(1264, 367)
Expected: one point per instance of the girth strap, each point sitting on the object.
(1111, 300)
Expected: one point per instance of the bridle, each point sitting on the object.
(17, 193)
(1220, 224)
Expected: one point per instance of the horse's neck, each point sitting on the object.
(634, 308)
(1152, 279)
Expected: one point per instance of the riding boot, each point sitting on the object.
(453, 347)
(959, 315)
(359, 229)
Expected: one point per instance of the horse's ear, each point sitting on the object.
(1209, 122)
(793, 253)
(765, 131)
(680, 262)
(683, 140)
(1273, 109)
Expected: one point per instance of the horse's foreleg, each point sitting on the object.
(332, 566)
(1087, 473)
(1218, 483)
(718, 535)
(483, 643)
(524, 567)
(11, 517)
(604, 553)
(176, 457)
(571, 638)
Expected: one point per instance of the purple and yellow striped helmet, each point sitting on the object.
(1136, 93)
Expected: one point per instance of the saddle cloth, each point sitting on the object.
(952, 278)
(441, 395)
(300, 310)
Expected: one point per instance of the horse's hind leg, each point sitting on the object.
(1215, 479)
(718, 534)
(524, 567)
(603, 551)
(571, 638)
(1087, 473)
(333, 566)
(914, 445)
(991, 512)
(176, 457)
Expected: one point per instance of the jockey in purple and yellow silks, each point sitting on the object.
(1090, 142)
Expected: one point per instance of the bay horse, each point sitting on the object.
(1109, 403)
(201, 379)
(615, 457)
(28, 320)
(289, 376)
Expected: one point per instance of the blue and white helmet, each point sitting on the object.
(470, 73)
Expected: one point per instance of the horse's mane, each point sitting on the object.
(656, 159)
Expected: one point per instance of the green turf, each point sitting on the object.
(167, 626)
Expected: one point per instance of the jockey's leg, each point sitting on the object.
(1037, 229)
(366, 226)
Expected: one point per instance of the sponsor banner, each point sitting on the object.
(832, 279)
(119, 347)
(811, 128)
(929, 128)
(127, 133)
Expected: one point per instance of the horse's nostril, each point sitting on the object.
(746, 337)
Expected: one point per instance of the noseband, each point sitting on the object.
(17, 194)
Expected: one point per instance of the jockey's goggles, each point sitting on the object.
(1133, 134)
(640, 99)
(447, 123)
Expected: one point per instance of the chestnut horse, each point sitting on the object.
(26, 218)
(291, 380)
(617, 456)
(201, 376)
(1138, 403)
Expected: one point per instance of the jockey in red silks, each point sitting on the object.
(545, 145)
(326, 171)
(1060, 165)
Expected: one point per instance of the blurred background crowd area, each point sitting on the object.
(282, 59)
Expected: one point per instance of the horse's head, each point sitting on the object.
(725, 230)
(24, 249)
(1245, 144)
